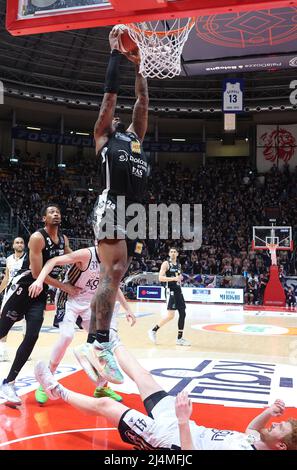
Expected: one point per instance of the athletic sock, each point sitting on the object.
(156, 328)
(61, 392)
(102, 336)
(91, 338)
(180, 334)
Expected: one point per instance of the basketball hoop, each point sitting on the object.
(272, 247)
(160, 45)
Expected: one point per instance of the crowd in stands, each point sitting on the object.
(233, 197)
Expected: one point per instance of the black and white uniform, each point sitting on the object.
(13, 265)
(68, 308)
(160, 429)
(17, 302)
(124, 171)
(174, 295)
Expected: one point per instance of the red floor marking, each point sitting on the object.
(33, 420)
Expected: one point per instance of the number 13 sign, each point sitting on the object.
(233, 95)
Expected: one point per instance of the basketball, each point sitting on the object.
(126, 43)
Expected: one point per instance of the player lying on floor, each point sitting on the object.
(168, 425)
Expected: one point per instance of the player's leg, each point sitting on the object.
(113, 257)
(66, 334)
(152, 333)
(24, 326)
(102, 389)
(3, 350)
(180, 341)
(7, 391)
(181, 307)
(171, 307)
(134, 427)
(143, 378)
(156, 401)
(103, 406)
(34, 320)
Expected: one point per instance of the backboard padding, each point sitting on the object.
(122, 12)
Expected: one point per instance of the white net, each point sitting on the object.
(272, 247)
(160, 45)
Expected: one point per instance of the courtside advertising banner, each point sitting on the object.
(194, 294)
(150, 293)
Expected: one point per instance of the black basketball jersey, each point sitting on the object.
(50, 250)
(124, 167)
(173, 271)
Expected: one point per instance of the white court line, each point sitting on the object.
(36, 436)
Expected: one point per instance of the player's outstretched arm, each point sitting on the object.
(129, 314)
(4, 280)
(79, 256)
(140, 110)
(276, 409)
(103, 125)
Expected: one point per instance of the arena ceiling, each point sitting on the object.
(70, 66)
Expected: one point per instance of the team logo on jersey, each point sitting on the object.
(124, 156)
(135, 146)
(92, 284)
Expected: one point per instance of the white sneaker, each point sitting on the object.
(81, 353)
(183, 342)
(46, 379)
(8, 392)
(152, 336)
(4, 356)
(98, 361)
(102, 358)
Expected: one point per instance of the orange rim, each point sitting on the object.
(162, 33)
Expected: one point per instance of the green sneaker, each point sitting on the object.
(40, 395)
(107, 392)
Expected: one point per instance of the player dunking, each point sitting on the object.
(13, 264)
(43, 245)
(170, 274)
(123, 173)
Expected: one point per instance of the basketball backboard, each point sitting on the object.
(40, 16)
(280, 236)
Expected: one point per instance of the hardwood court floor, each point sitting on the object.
(238, 359)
